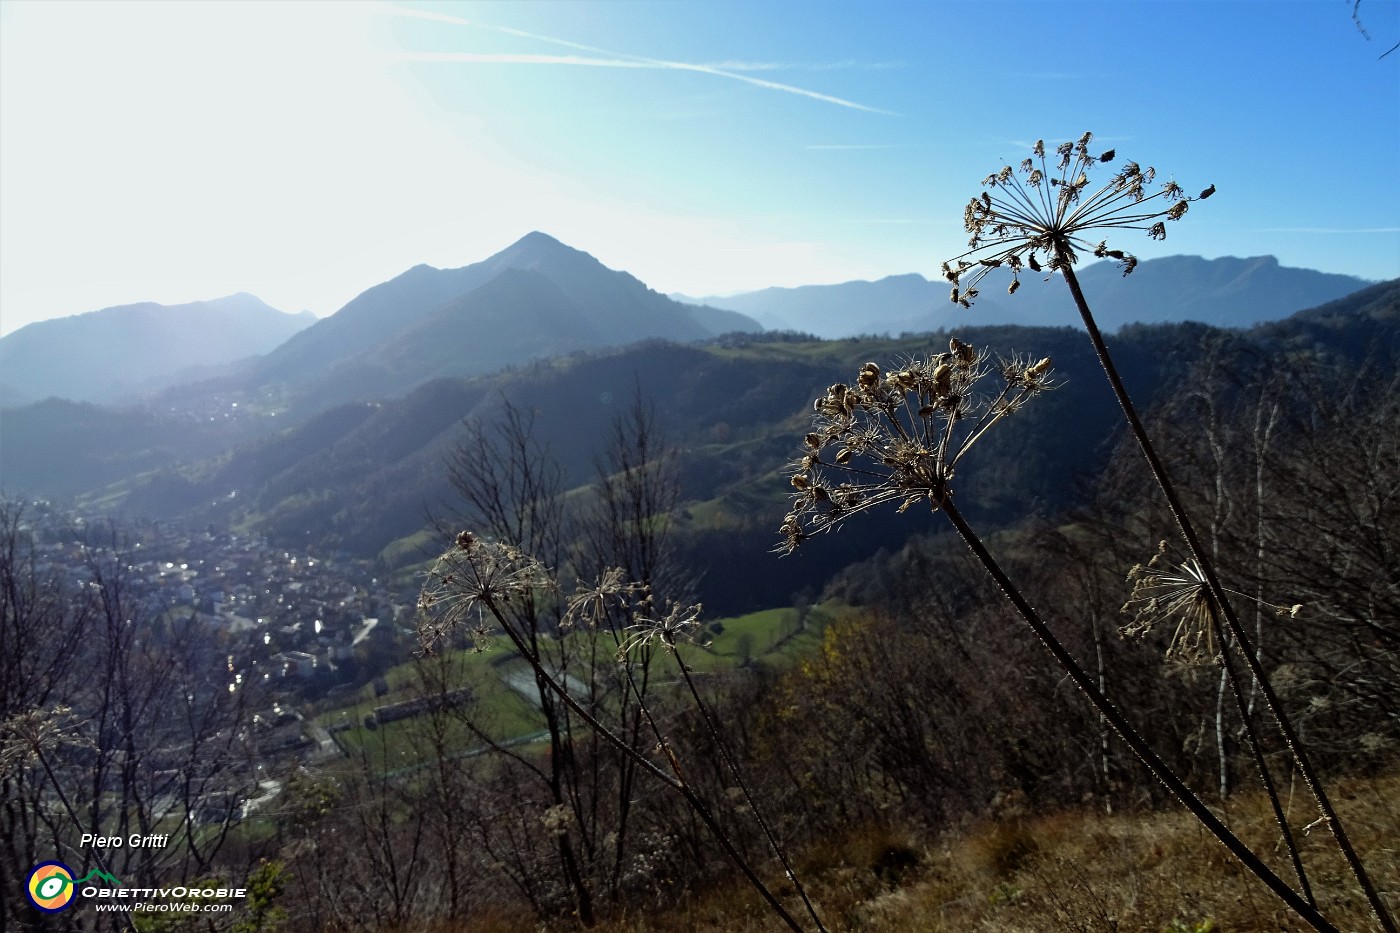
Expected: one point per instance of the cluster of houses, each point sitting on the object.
(286, 616)
(302, 625)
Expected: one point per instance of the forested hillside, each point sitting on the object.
(368, 478)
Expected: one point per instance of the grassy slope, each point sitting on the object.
(1074, 870)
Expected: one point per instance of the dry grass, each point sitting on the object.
(1070, 871)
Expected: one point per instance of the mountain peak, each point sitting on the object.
(536, 238)
(537, 297)
(534, 247)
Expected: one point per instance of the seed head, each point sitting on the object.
(475, 573)
(962, 353)
(1049, 209)
(1165, 592)
(557, 820)
(679, 624)
(27, 735)
(898, 437)
(591, 604)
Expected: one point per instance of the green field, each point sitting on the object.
(502, 683)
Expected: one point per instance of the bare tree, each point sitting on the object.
(113, 722)
(511, 491)
(42, 627)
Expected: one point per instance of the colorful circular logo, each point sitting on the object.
(50, 887)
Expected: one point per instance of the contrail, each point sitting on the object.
(896, 221)
(1341, 230)
(612, 60)
(866, 146)
(513, 58)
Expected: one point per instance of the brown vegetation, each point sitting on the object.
(1070, 870)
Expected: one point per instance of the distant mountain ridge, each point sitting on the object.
(359, 476)
(536, 298)
(108, 355)
(539, 298)
(1225, 292)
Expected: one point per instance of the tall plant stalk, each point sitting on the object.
(897, 436)
(1049, 210)
(722, 746)
(1302, 906)
(1218, 593)
(664, 631)
(1260, 765)
(37, 749)
(493, 576)
(676, 780)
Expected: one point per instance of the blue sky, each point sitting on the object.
(304, 152)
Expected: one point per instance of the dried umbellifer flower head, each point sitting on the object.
(897, 436)
(1167, 593)
(1049, 211)
(27, 735)
(678, 624)
(473, 573)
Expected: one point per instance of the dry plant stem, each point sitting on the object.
(1232, 623)
(733, 767)
(676, 782)
(1127, 733)
(1261, 766)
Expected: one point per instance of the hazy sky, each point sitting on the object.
(304, 152)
